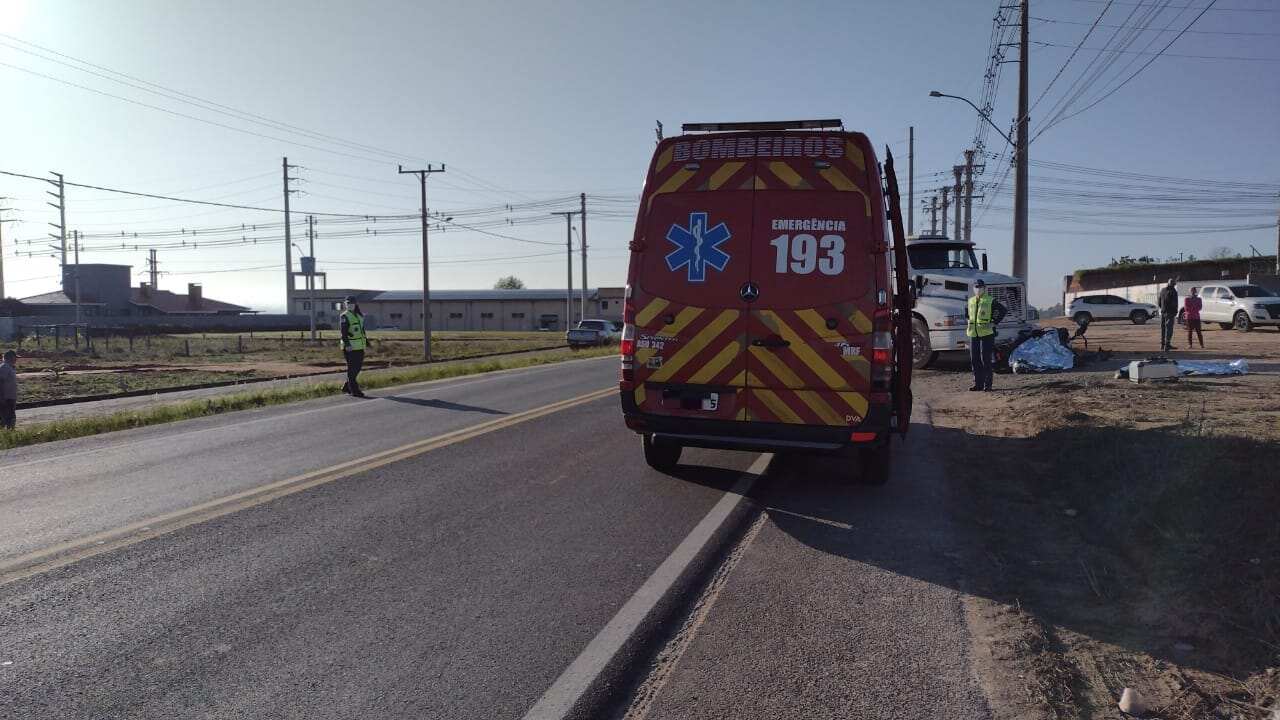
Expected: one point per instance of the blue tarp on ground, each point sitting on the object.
(1041, 354)
(1198, 367)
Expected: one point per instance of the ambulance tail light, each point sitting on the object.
(628, 353)
(628, 307)
(881, 358)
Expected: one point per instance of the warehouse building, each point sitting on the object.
(470, 310)
(103, 291)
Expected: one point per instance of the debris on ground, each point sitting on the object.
(1187, 368)
(1131, 703)
(1041, 352)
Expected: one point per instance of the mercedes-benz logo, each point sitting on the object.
(749, 292)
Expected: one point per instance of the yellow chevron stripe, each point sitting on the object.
(842, 183)
(777, 407)
(742, 413)
(854, 154)
(650, 311)
(722, 175)
(760, 184)
(683, 318)
(727, 354)
(674, 182)
(789, 176)
(739, 380)
(820, 406)
(771, 362)
(818, 324)
(860, 365)
(639, 396)
(860, 321)
(694, 345)
(857, 401)
(664, 159)
(807, 355)
(643, 355)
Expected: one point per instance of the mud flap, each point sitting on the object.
(903, 301)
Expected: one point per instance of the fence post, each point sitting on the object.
(187, 342)
(131, 343)
(147, 337)
(57, 337)
(240, 344)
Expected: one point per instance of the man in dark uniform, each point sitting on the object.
(1168, 302)
(982, 314)
(354, 342)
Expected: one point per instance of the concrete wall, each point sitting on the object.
(223, 323)
(483, 315)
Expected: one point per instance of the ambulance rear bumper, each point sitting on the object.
(757, 436)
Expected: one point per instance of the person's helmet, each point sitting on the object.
(980, 283)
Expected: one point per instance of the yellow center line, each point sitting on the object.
(67, 553)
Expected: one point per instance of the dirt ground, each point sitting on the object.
(1130, 529)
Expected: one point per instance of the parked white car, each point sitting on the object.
(1241, 306)
(1093, 308)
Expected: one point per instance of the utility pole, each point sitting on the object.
(2, 222)
(426, 257)
(1021, 179)
(583, 239)
(61, 205)
(288, 237)
(311, 272)
(933, 215)
(154, 268)
(911, 179)
(945, 205)
(968, 195)
(957, 193)
(76, 239)
(1277, 243)
(568, 244)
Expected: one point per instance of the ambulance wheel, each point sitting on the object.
(661, 456)
(876, 464)
(922, 353)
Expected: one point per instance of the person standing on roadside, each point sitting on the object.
(1167, 301)
(9, 390)
(354, 342)
(983, 314)
(1191, 312)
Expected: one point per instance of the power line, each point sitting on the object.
(1176, 55)
(1184, 7)
(1156, 29)
(1071, 57)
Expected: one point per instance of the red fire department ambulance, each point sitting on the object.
(763, 310)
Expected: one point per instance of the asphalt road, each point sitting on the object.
(461, 580)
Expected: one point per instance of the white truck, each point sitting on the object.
(591, 332)
(943, 272)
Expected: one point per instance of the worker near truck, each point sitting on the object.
(354, 342)
(9, 390)
(982, 314)
(1167, 300)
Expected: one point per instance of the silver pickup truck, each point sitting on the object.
(592, 332)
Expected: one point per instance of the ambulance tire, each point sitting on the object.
(922, 353)
(661, 456)
(876, 465)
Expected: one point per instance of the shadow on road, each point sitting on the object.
(442, 404)
(1148, 540)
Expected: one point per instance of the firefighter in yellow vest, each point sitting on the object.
(354, 342)
(983, 314)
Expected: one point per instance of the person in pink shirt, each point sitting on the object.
(1191, 311)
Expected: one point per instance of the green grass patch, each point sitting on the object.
(71, 385)
(186, 410)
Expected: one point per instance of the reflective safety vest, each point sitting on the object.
(355, 331)
(979, 317)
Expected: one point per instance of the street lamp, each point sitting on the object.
(984, 116)
(1020, 184)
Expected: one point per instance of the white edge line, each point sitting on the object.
(573, 683)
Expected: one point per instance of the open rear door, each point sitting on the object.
(902, 302)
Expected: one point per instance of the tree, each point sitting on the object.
(1223, 252)
(510, 282)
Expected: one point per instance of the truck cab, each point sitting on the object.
(943, 271)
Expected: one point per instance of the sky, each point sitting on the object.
(529, 104)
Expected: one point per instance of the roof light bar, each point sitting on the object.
(767, 125)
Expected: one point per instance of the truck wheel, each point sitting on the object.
(1242, 322)
(876, 464)
(922, 354)
(1082, 318)
(661, 456)
(1138, 317)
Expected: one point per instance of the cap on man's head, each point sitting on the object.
(980, 283)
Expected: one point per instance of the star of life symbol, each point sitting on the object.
(698, 246)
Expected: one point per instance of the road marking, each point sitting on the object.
(336, 403)
(577, 679)
(64, 554)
